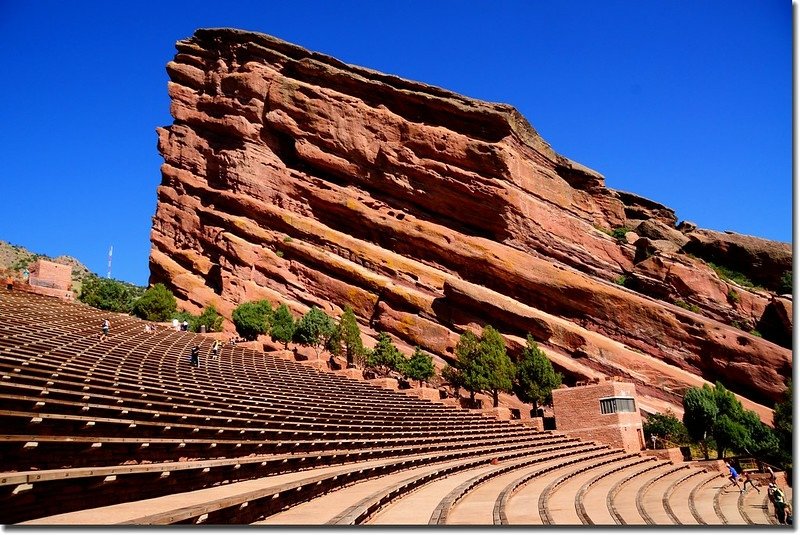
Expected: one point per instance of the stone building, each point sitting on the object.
(49, 278)
(606, 412)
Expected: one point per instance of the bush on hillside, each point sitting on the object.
(109, 294)
(156, 304)
(210, 318)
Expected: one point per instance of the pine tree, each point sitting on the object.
(419, 366)
(495, 361)
(535, 379)
(484, 364)
(384, 356)
(469, 373)
(348, 337)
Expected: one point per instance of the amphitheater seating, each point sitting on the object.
(125, 431)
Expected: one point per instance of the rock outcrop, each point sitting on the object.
(291, 176)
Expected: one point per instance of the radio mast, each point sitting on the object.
(110, 252)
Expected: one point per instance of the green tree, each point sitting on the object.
(420, 366)
(252, 319)
(210, 318)
(728, 431)
(484, 364)
(469, 370)
(785, 286)
(699, 414)
(535, 378)
(782, 420)
(666, 427)
(764, 442)
(453, 376)
(713, 414)
(156, 304)
(283, 326)
(314, 329)
(109, 294)
(496, 362)
(384, 356)
(347, 339)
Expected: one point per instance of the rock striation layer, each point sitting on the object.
(291, 176)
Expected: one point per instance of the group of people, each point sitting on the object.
(194, 354)
(783, 510)
(180, 326)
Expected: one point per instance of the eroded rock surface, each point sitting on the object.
(291, 176)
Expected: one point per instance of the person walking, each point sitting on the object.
(105, 328)
(194, 358)
(747, 479)
(779, 500)
(734, 476)
(215, 347)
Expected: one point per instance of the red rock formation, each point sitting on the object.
(291, 176)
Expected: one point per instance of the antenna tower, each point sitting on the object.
(110, 252)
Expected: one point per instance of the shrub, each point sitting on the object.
(733, 296)
(621, 280)
(287, 239)
(786, 286)
(731, 275)
(666, 427)
(279, 254)
(754, 332)
(619, 233)
(210, 318)
(156, 304)
(109, 294)
(683, 304)
(252, 319)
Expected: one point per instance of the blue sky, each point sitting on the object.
(684, 102)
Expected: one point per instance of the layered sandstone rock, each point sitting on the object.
(291, 176)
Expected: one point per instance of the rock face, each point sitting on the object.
(291, 176)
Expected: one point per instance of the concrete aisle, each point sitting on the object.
(595, 500)
(477, 507)
(653, 499)
(679, 500)
(561, 503)
(704, 500)
(523, 506)
(324, 508)
(625, 500)
(417, 507)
